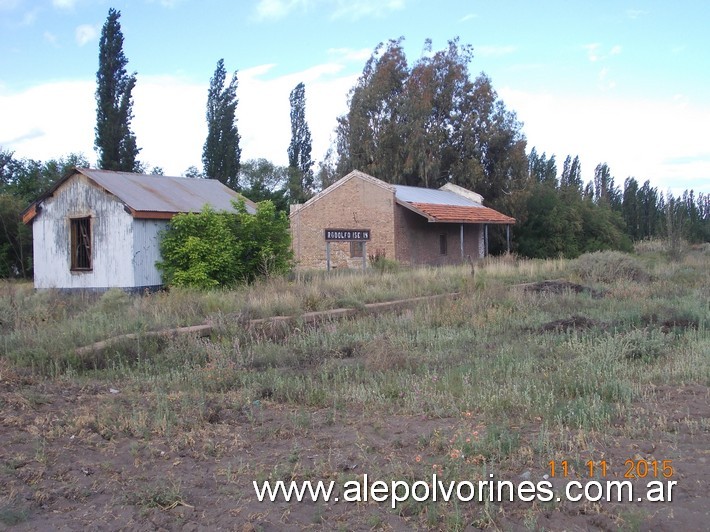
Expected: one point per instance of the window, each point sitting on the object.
(442, 245)
(356, 249)
(81, 244)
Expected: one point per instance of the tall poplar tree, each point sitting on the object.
(221, 153)
(300, 164)
(114, 141)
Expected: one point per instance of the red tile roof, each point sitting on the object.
(461, 214)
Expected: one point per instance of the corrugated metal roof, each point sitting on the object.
(152, 196)
(165, 194)
(432, 196)
(462, 214)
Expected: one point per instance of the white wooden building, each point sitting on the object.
(98, 229)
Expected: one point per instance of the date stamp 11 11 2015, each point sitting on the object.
(632, 469)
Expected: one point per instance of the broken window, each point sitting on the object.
(81, 243)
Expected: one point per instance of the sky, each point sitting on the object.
(621, 82)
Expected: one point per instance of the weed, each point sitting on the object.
(480, 382)
(162, 495)
(12, 514)
(609, 267)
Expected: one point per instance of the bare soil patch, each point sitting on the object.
(60, 471)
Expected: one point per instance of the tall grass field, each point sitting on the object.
(527, 365)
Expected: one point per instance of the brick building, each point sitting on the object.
(360, 215)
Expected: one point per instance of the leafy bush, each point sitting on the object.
(210, 249)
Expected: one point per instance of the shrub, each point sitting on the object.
(609, 266)
(263, 241)
(210, 249)
(379, 262)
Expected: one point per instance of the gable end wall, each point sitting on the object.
(111, 235)
(356, 204)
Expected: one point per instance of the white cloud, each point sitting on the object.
(169, 122)
(350, 55)
(34, 126)
(354, 9)
(64, 4)
(468, 17)
(264, 111)
(592, 51)
(173, 139)
(170, 4)
(633, 14)
(357, 9)
(663, 140)
(85, 33)
(605, 82)
(494, 50)
(169, 116)
(659, 140)
(273, 9)
(596, 52)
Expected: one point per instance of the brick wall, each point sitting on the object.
(419, 241)
(359, 202)
(354, 204)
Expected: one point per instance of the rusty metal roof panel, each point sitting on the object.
(156, 193)
(432, 196)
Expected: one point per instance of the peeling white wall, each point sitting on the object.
(111, 238)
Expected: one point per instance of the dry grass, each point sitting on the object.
(483, 383)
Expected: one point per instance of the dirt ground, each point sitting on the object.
(58, 472)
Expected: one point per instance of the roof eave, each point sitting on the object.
(474, 222)
(151, 215)
(29, 214)
(412, 208)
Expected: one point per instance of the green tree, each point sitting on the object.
(369, 135)
(114, 141)
(605, 190)
(542, 170)
(221, 153)
(651, 211)
(432, 124)
(630, 208)
(602, 229)
(262, 180)
(327, 170)
(21, 182)
(15, 238)
(300, 163)
(550, 227)
(192, 171)
(571, 177)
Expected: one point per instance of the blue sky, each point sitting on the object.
(620, 82)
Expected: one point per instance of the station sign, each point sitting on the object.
(347, 235)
